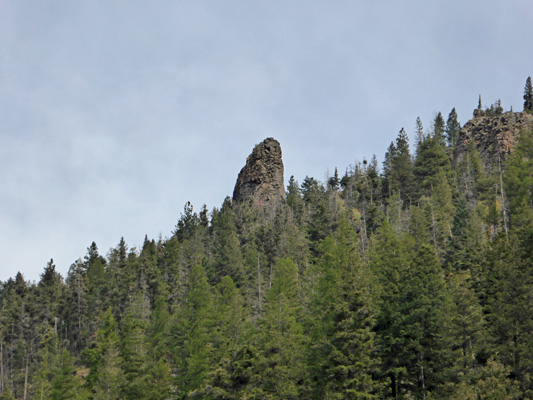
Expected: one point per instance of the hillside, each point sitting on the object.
(413, 280)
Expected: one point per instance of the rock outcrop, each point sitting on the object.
(493, 135)
(261, 179)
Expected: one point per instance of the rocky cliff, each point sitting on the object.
(493, 135)
(261, 179)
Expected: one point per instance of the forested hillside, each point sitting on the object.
(408, 280)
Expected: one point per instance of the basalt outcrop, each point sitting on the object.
(494, 136)
(261, 179)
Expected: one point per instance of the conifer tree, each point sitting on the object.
(6, 394)
(106, 377)
(397, 168)
(294, 199)
(439, 129)
(343, 357)
(528, 96)
(280, 371)
(387, 170)
(191, 344)
(453, 128)
(419, 132)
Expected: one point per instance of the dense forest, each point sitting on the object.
(412, 279)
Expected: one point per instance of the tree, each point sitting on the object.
(431, 158)
(106, 378)
(280, 367)
(191, 342)
(187, 224)
(528, 96)
(294, 199)
(518, 181)
(419, 132)
(343, 353)
(413, 328)
(231, 364)
(397, 168)
(453, 128)
(6, 395)
(508, 291)
(333, 181)
(439, 128)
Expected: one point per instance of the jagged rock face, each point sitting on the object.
(494, 136)
(261, 179)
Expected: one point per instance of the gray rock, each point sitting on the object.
(261, 179)
(493, 136)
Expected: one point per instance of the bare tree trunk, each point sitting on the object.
(2, 366)
(259, 294)
(504, 214)
(26, 379)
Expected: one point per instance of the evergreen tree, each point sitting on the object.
(453, 128)
(294, 199)
(316, 204)
(413, 328)
(397, 168)
(518, 181)
(133, 349)
(6, 395)
(280, 368)
(191, 344)
(528, 96)
(419, 132)
(187, 224)
(431, 158)
(231, 365)
(467, 329)
(105, 378)
(343, 357)
(508, 288)
(439, 129)
(334, 181)
(387, 170)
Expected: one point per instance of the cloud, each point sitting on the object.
(113, 115)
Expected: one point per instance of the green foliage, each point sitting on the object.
(453, 128)
(518, 182)
(439, 129)
(528, 95)
(411, 282)
(431, 159)
(397, 167)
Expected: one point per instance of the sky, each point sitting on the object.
(114, 114)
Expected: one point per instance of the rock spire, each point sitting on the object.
(261, 179)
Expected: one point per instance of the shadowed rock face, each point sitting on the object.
(494, 136)
(261, 179)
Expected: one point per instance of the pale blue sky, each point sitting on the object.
(113, 114)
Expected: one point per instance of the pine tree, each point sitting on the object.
(439, 129)
(528, 96)
(133, 349)
(388, 171)
(280, 370)
(453, 128)
(231, 365)
(419, 132)
(191, 343)
(6, 395)
(397, 168)
(343, 357)
(413, 328)
(294, 199)
(106, 377)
